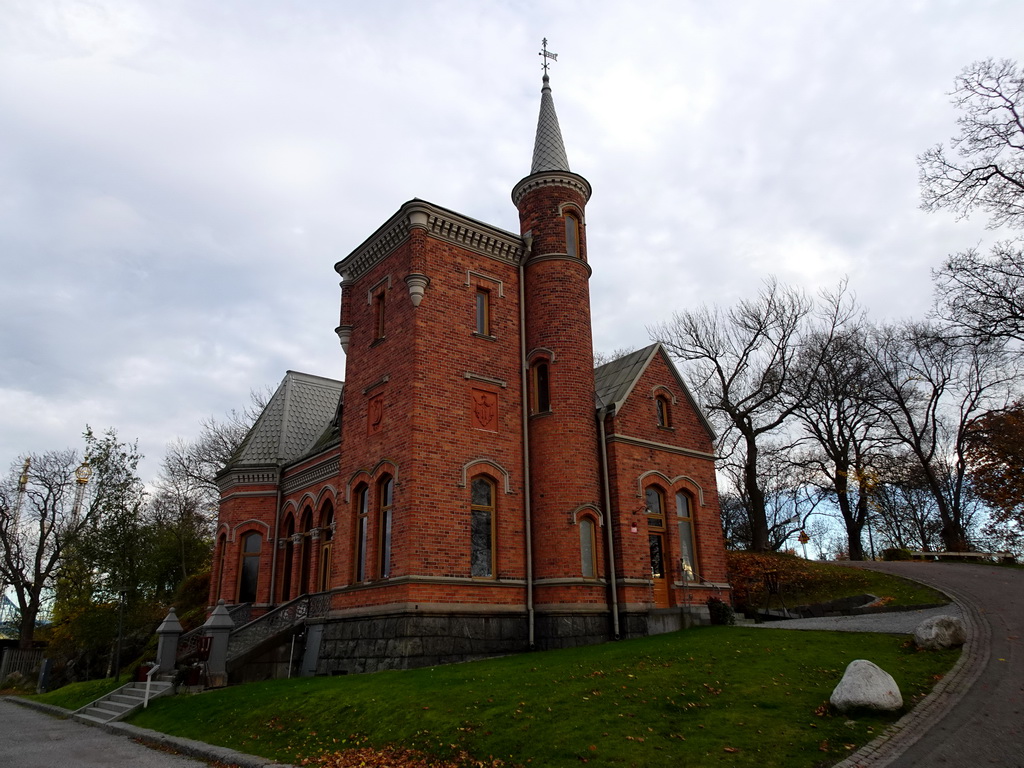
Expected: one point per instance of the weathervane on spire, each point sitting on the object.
(547, 55)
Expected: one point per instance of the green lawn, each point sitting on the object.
(709, 696)
(77, 695)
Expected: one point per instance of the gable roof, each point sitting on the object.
(300, 416)
(614, 381)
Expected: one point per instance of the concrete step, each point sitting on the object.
(81, 716)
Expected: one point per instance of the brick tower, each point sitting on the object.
(562, 431)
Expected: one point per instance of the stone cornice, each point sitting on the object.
(439, 223)
(613, 438)
(247, 476)
(318, 472)
(551, 178)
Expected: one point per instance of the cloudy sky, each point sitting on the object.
(178, 178)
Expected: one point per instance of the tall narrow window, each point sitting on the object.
(326, 539)
(541, 388)
(289, 560)
(222, 544)
(307, 552)
(482, 527)
(664, 414)
(656, 540)
(249, 568)
(572, 235)
(588, 554)
(385, 493)
(687, 542)
(378, 314)
(362, 510)
(483, 312)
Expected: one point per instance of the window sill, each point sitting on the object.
(485, 336)
(377, 341)
(666, 429)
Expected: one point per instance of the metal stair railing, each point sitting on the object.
(278, 621)
(188, 643)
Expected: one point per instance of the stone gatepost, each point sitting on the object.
(167, 642)
(218, 628)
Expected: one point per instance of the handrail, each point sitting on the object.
(149, 681)
(282, 618)
(188, 643)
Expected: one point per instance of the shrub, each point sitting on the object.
(896, 553)
(721, 612)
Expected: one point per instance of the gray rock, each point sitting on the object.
(940, 632)
(866, 686)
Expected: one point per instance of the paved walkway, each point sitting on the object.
(30, 739)
(975, 716)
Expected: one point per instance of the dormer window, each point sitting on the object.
(572, 235)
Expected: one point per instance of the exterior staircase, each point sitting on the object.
(125, 700)
(272, 628)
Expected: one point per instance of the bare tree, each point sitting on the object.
(931, 388)
(984, 294)
(843, 426)
(987, 170)
(743, 361)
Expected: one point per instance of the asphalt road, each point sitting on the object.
(30, 739)
(983, 724)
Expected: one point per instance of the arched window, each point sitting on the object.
(378, 314)
(572, 235)
(307, 551)
(289, 559)
(362, 508)
(326, 539)
(385, 504)
(541, 394)
(687, 540)
(655, 499)
(588, 548)
(222, 544)
(482, 527)
(249, 568)
(663, 410)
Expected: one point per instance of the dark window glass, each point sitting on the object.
(541, 388)
(587, 555)
(483, 313)
(572, 235)
(482, 527)
(655, 540)
(248, 579)
(385, 490)
(362, 501)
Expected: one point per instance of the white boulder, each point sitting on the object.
(940, 632)
(866, 686)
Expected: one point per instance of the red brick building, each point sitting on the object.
(476, 486)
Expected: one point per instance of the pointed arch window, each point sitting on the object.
(306, 553)
(362, 508)
(588, 548)
(289, 559)
(222, 544)
(385, 504)
(482, 527)
(249, 568)
(572, 235)
(663, 410)
(326, 546)
(540, 394)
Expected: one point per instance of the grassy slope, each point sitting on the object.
(682, 699)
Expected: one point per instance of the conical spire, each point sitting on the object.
(548, 149)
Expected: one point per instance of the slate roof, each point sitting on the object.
(301, 416)
(613, 381)
(548, 148)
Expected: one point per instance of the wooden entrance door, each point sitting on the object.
(657, 546)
